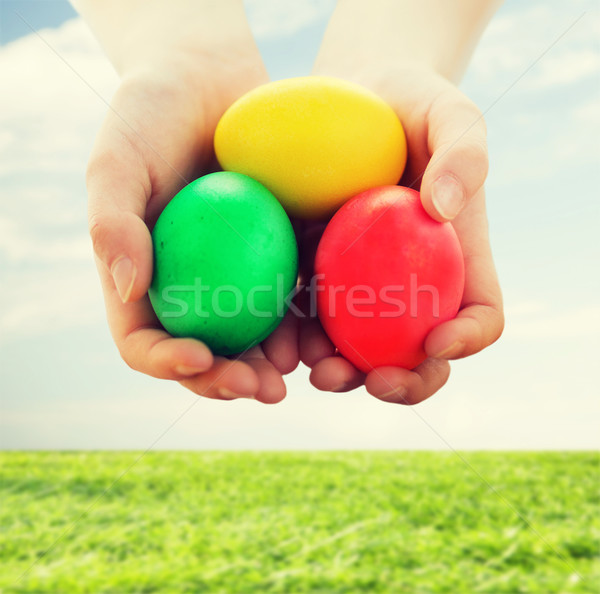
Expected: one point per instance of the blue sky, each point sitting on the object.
(62, 383)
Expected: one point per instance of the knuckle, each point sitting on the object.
(477, 153)
(477, 146)
(472, 154)
(130, 349)
(410, 400)
(500, 324)
(98, 228)
(99, 164)
(470, 112)
(494, 326)
(127, 358)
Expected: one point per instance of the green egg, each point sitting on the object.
(225, 263)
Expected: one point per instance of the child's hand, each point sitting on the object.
(181, 68)
(156, 138)
(448, 159)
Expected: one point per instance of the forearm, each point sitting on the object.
(136, 34)
(437, 34)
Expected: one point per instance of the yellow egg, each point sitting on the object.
(314, 141)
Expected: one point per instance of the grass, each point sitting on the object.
(336, 522)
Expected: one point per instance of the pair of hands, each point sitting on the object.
(157, 137)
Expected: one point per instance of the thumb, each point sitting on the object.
(117, 206)
(459, 161)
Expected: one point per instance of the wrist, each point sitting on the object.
(390, 80)
(437, 35)
(203, 49)
(140, 34)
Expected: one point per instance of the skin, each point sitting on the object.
(414, 72)
(446, 136)
(157, 137)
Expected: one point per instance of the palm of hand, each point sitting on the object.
(156, 139)
(424, 103)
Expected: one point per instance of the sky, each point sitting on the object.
(536, 77)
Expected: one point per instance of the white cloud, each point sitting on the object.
(566, 68)
(539, 36)
(6, 139)
(588, 112)
(48, 119)
(512, 395)
(45, 73)
(547, 323)
(524, 308)
(281, 18)
(19, 245)
(489, 417)
(539, 91)
(35, 305)
(54, 88)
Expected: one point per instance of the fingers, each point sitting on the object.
(402, 386)
(271, 387)
(281, 347)
(250, 375)
(329, 372)
(475, 328)
(336, 374)
(314, 344)
(308, 242)
(136, 167)
(459, 162)
(154, 352)
(147, 348)
(225, 380)
(138, 163)
(480, 321)
(123, 246)
(119, 189)
(142, 342)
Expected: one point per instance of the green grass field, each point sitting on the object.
(299, 522)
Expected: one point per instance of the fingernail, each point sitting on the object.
(448, 196)
(123, 272)
(225, 393)
(399, 394)
(454, 349)
(187, 370)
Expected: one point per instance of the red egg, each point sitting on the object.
(386, 275)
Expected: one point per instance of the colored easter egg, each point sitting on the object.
(225, 261)
(387, 274)
(313, 141)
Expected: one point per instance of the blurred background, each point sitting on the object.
(536, 77)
